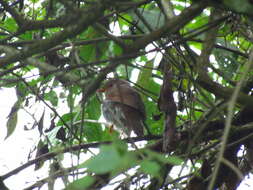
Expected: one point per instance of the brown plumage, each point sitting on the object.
(123, 107)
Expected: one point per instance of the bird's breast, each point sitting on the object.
(108, 109)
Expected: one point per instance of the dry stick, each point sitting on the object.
(168, 106)
(228, 122)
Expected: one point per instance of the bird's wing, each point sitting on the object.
(134, 120)
(133, 99)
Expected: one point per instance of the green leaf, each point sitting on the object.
(145, 75)
(107, 160)
(4, 83)
(41, 149)
(21, 90)
(174, 160)
(242, 6)
(70, 99)
(95, 51)
(124, 71)
(10, 24)
(27, 36)
(93, 108)
(87, 52)
(34, 1)
(93, 131)
(66, 118)
(114, 159)
(196, 23)
(150, 167)
(81, 184)
(11, 124)
(117, 50)
(13, 118)
(41, 123)
(227, 61)
(146, 81)
(123, 22)
(51, 97)
(154, 18)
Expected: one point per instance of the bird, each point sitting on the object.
(123, 107)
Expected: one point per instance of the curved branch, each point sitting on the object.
(88, 17)
(50, 155)
(171, 26)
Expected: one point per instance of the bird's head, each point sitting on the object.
(113, 84)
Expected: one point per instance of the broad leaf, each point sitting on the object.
(81, 184)
(13, 117)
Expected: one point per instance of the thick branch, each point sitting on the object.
(222, 92)
(88, 17)
(172, 26)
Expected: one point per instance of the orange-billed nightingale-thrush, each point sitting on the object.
(123, 107)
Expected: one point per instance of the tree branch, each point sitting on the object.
(172, 26)
(88, 17)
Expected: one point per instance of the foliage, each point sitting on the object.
(56, 54)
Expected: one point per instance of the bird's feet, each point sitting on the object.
(111, 130)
